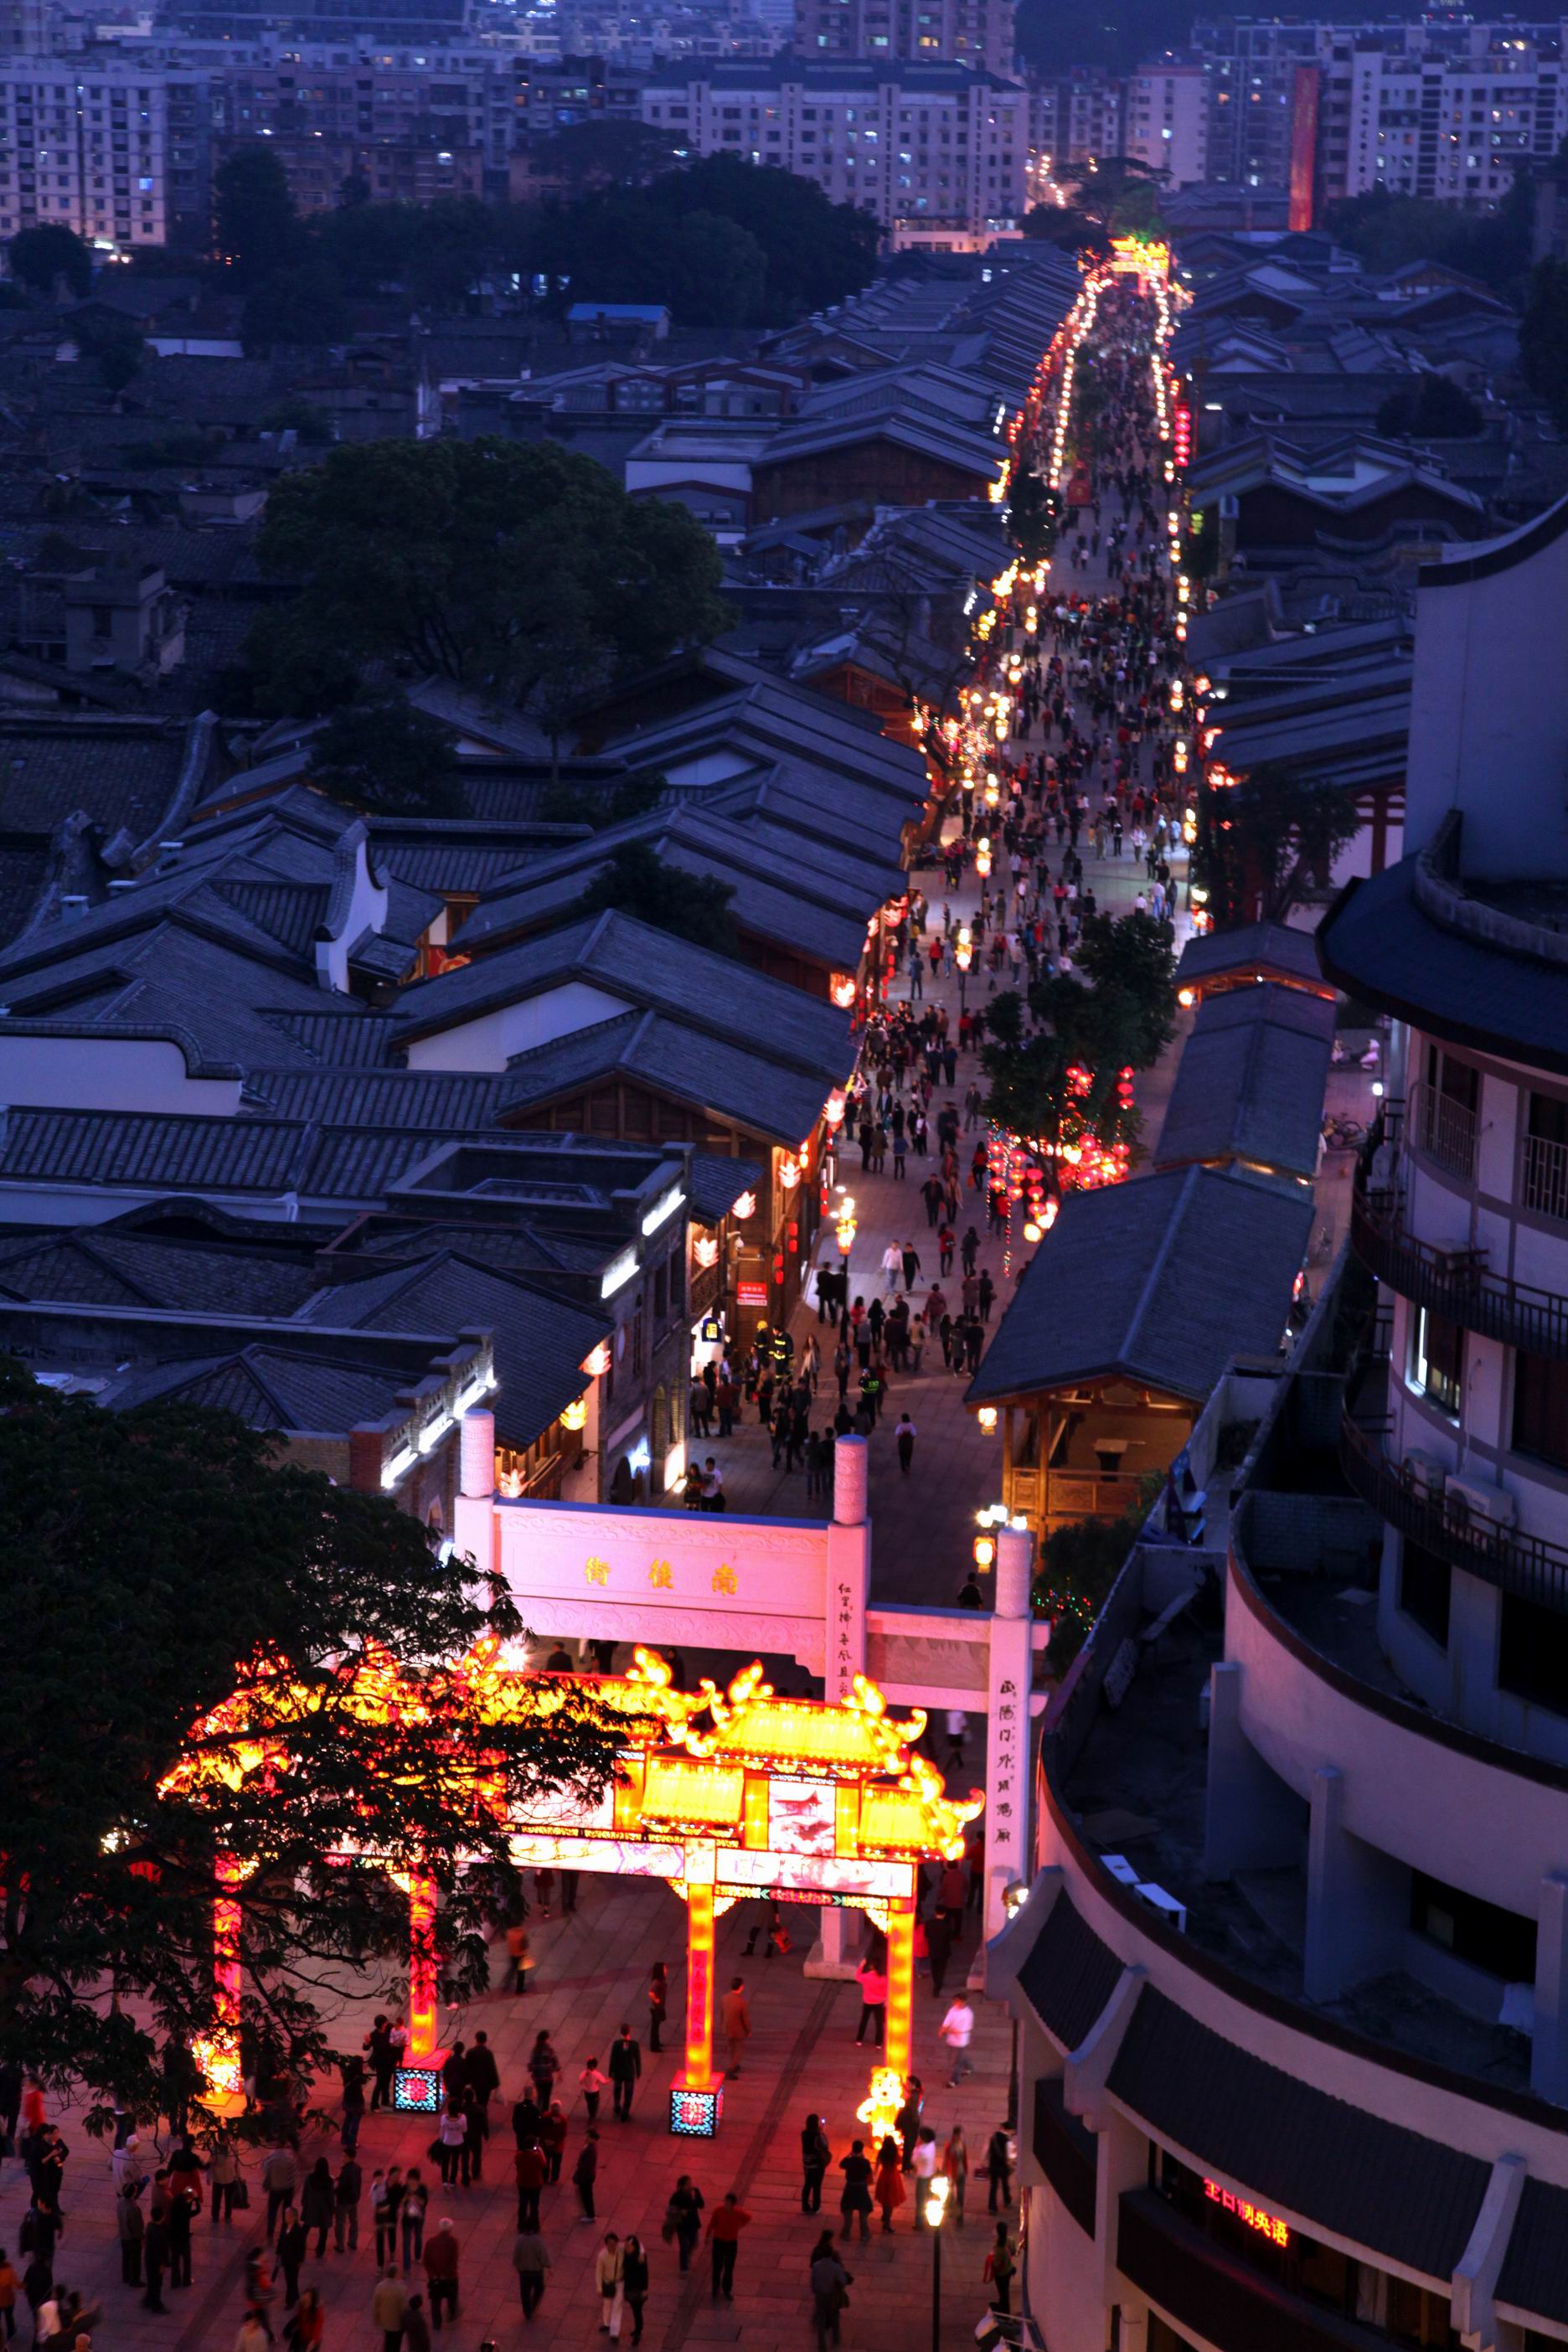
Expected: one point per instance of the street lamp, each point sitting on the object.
(938, 2188)
(963, 955)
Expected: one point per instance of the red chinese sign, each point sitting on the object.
(1277, 2232)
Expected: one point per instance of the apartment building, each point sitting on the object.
(963, 32)
(89, 147)
(926, 149)
(1166, 121)
(1445, 111)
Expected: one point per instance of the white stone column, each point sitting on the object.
(846, 1582)
(473, 1512)
(1006, 1821)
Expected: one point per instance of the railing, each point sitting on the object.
(1443, 1130)
(1543, 1184)
(1455, 1284)
(1080, 1495)
(1522, 1564)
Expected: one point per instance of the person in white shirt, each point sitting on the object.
(923, 2164)
(956, 2030)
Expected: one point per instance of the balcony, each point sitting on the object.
(1543, 1180)
(1456, 1284)
(1524, 1564)
(1443, 1131)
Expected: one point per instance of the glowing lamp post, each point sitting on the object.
(962, 956)
(936, 2192)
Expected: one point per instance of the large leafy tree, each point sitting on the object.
(1054, 1060)
(817, 252)
(1033, 510)
(521, 570)
(619, 248)
(156, 1559)
(254, 220)
(382, 755)
(42, 257)
(635, 881)
(1263, 842)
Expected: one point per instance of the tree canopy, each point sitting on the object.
(1389, 232)
(1056, 1082)
(1033, 512)
(157, 1560)
(381, 755)
(254, 220)
(521, 570)
(303, 305)
(38, 256)
(693, 907)
(1263, 842)
(618, 247)
(1433, 408)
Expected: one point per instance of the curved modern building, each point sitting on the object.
(1292, 1980)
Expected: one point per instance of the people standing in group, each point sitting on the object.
(887, 2188)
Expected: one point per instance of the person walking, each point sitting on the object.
(955, 2165)
(957, 2029)
(591, 2082)
(905, 1436)
(529, 2168)
(293, 2239)
(609, 2283)
(830, 2285)
(871, 1976)
(725, 2224)
(856, 2200)
(543, 2066)
(280, 2179)
(347, 2191)
(635, 2280)
(887, 2188)
(529, 2259)
(626, 2065)
(657, 2002)
(683, 2218)
(736, 2018)
(553, 2136)
(223, 2172)
(318, 2200)
(999, 2169)
(389, 2309)
(1000, 2264)
(923, 2165)
(309, 2325)
(441, 2271)
(585, 2171)
(411, 2218)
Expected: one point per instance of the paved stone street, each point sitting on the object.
(592, 1971)
(925, 1523)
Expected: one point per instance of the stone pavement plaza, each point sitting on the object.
(592, 1972)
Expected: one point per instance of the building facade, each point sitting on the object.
(955, 32)
(1292, 1977)
(87, 147)
(929, 146)
(1167, 122)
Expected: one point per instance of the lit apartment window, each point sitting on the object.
(1436, 1358)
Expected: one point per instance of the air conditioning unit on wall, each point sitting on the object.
(1426, 1475)
(1480, 1501)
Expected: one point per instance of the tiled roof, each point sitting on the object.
(1251, 946)
(1412, 2199)
(1164, 1279)
(674, 1058)
(1069, 1975)
(1249, 1084)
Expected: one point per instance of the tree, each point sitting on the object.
(1135, 959)
(606, 154)
(112, 343)
(1262, 842)
(304, 305)
(1033, 512)
(1079, 1564)
(1067, 225)
(521, 570)
(817, 252)
(1435, 408)
(383, 756)
(38, 257)
(1058, 1084)
(1543, 338)
(1389, 232)
(254, 221)
(623, 248)
(158, 1560)
(693, 907)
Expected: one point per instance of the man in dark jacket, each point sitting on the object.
(626, 2065)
